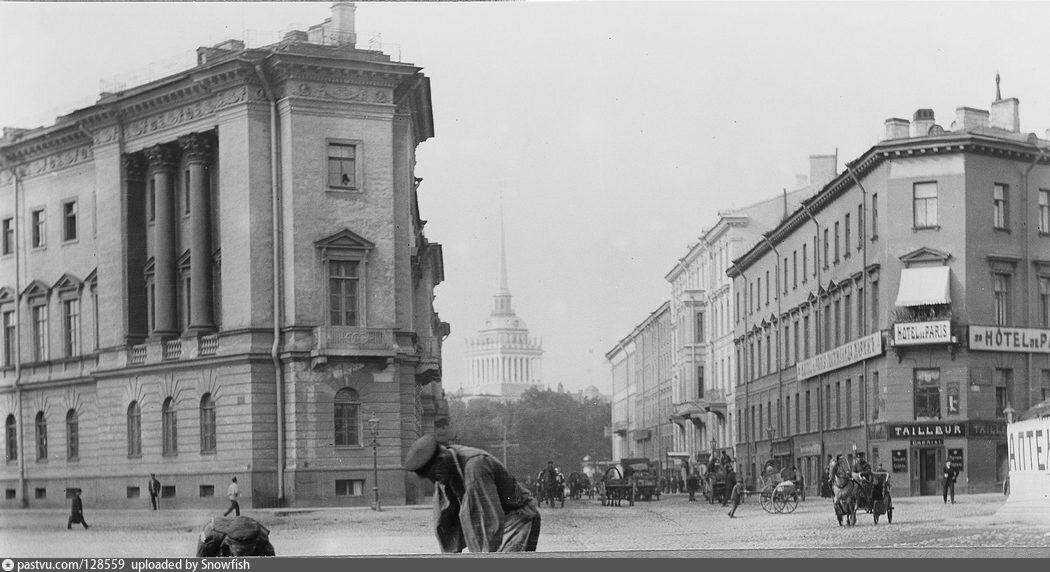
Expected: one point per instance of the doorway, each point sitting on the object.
(928, 464)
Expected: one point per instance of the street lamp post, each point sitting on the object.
(373, 427)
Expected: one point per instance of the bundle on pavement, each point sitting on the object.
(236, 536)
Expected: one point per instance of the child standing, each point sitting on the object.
(738, 495)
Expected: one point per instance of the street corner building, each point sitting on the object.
(223, 272)
(904, 309)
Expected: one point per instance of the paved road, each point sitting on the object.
(670, 525)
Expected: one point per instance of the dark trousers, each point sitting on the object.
(949, 488)
(692, 495)
(76, 518)
(234, 508)
(736, 503)
(153, 500)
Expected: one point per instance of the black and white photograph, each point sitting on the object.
(284, 281)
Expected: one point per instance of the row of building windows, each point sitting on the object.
(38, 228)
(343, 487)
(347, 428)
(40, 330)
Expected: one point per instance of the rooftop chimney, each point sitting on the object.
(897, 128)
(1005, 115)
(921, 122)
(343, 23)
(967, 118)
(822, 168)
(801, 181)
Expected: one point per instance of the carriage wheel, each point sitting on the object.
(791, 503)
(779, 502)
(766, 499)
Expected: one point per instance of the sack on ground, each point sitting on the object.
(236, 536)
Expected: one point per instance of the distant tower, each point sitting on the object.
(502, 361)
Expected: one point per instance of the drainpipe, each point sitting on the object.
(747, 380)
(1025, 245)
(19, 426)
(863, 305)
(816, 316)
(780, 366)
(278, 278)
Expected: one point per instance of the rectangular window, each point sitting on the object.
(167, 491)
(828, 342)
(39, 228)
(349, 488)
(134, 492)
(860, 226)
(769, 353)
(860, 311)
(784, 287)
(795, 344)
(838, 404)
(787, 346)
(343, 292)
(69, 220)
(874, 312)
(1000, 206)
(805, 263)
(759, 360)
(700, 382)
(787, 414)
(827, 406)
(849, 402)
(9, 338)
(699, 327)
(1044, 211)
(342, 166)
(847, 314)
(751, 297)
(39, 315)
(767, 287)
(737, 312)
(1044, 300)
(836, 242)
(809, 411)
(761, 425)
(838, 324)
(816, 256)
(7, 236)
(71, 327)
(876, 397)
(1046, 384)
(827, 247)
(207, 491)
(805, 337)
(40, 493)
(928, 393)
(924, 205)
(798, 419)
(874, 216)
(1004, 379)
(845, 238)
(1001, 290)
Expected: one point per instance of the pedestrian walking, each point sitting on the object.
(232, 492)
(76, 515)
(681, 484)
(951, 474)
(154, 490)
(692, 484)
(478, 505)
(738, 495)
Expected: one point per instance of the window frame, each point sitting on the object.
(134, 430)
(38, 228)
(208, 436)
(40, 328)
(11, 437)
(348, 433)
(928, 220)
(7, 236)
(40, 437)
(1043, 211)
(357, 145)
(66, 217)
(72, 435)
(928, 391)
(169, 428)
(72, 341)
(7, 331)
(1001, 299)
(1000, 206)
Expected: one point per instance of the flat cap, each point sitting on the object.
(421, 453)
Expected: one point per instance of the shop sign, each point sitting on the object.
(953, 398)
(1000, 339)
(988, 429)
(1029, 446)
(863, 348)
(809, 450)
(955, 456)
(906, 430)
(877, 432)
(926, 442)
(900, 460)
(920, 333)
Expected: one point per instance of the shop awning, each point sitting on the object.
(924, 286)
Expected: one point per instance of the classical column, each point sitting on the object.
(135, 308)
(197, 150)
(162, 160)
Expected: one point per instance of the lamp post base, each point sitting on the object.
(375, 504)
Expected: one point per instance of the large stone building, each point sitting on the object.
(223, 273)
(919, 316)
(503, 361)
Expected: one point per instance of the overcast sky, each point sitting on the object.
(615, 131)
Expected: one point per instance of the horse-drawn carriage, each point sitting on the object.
(636, 481)
(881, 501)
(717, 484)
(853, 492)
(580, 485)
(781, 489)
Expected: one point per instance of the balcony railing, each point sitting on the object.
(352, 341)
(137, 354)
(207, 345)
(172, 349)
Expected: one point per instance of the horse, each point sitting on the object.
(847, 488)
(578, 485)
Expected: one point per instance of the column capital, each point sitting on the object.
(134, 166)
(162, 157)
(197, 147)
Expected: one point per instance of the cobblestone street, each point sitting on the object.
(669, 525)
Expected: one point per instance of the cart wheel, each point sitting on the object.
(791, 503)
(889, 515)
(779, 502)
(766, 499)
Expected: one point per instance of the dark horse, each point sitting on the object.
(848, 488)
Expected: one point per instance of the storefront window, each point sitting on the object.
(927, 393)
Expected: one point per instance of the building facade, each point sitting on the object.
(910, 309)
(503, 361)
(223, 273)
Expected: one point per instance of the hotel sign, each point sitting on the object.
(863, 348)
(1000, 339)
(919, 333)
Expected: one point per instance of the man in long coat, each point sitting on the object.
(478, 505)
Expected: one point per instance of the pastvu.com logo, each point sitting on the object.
(8, 565)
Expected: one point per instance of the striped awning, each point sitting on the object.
(924, 286)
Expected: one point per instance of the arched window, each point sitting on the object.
(207, 424)
(11, 435)
(134, 430)
(169, 423)
(41, 436)
(347, 420)
(72, 435)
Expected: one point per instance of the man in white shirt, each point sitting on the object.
(232, 493)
